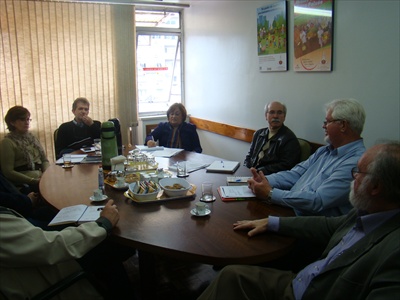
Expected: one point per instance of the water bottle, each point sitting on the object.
(101, 180)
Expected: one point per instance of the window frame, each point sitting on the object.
(163, 31)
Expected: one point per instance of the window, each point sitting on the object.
(159, 66)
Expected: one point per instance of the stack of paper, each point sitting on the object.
(232, 193)
(75, 159)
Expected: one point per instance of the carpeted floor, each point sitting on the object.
(176, 280)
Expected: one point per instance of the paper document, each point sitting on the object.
(146, 148)
(190, 166)
(75, 159)
(166, 152)
(236, 191)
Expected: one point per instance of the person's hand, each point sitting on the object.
(34, 198)
(151, 143)
(259, 185)
(110, 212)
(87, 120)
(255, 226)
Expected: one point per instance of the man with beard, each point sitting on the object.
(361, 258)
(320, 185)
(275, 148)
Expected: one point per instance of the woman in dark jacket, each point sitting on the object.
(176, 133)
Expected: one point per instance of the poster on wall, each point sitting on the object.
(312, 33)
(272, 37)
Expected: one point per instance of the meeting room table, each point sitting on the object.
(168, 228)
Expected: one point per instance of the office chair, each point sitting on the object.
(305, 149)
(65, 283)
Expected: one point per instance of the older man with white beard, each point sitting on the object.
(361, 258)
(321, 184)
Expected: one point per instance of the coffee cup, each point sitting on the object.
(120, 181)
(201, 208)
(97, 194)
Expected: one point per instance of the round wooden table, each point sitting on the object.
(168, 228)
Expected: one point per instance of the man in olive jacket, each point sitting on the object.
(362, 255)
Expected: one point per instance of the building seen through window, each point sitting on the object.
(159, 67)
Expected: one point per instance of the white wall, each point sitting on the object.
(223, 83)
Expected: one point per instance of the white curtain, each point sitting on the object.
(51, 53)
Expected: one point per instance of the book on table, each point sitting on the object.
(223, 166)
(76, 214)
(234, 193)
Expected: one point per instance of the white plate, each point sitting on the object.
(194, 212)
(123, 187)
(98, 200)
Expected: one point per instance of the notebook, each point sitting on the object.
(223, 166)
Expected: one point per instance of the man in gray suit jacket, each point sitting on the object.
(362, 255)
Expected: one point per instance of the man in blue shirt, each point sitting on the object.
(321, 184)
(361, 258)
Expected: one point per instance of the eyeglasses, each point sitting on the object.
(331, 121)
(355, 171)
(277, 112)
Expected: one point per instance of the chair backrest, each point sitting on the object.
(55, 141)
(305, 149)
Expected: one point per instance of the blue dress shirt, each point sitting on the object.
(321, 184)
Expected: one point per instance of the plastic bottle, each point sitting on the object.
(101, 180)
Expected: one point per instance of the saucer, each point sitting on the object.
(194, 213)
(122, 187)
(67, 167)
(104, 197)
(208, 200)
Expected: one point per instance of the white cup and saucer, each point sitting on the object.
(201, 209)
(98, 196)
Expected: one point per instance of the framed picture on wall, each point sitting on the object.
(312, 34)
(272, 37)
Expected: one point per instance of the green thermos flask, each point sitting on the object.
(109, 147)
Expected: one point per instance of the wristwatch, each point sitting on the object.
(270, 196)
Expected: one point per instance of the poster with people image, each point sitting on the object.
(312, 35)
(272, 37)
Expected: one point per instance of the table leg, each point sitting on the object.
(148, 278)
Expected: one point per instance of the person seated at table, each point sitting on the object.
(320, 185)
(274, 148)
(32, 259)
(361, 258)
(23, 159)
(79, 132)
(176, 133)
(29, 206)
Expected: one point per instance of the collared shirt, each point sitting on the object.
(78, 124)
(363, 226)
(321, 184)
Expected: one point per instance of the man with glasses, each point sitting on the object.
(275, 148)
(362, 249)
(320, 185)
